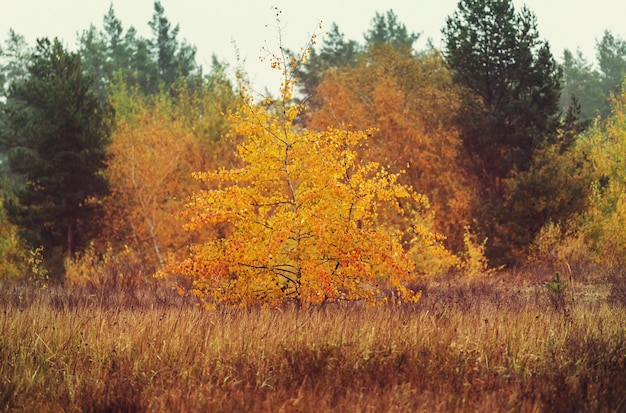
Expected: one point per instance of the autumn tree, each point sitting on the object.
(56, 132)
(336, 51)
(409, 103)
(302, 217)
(150, 155)
(157, 143)
(202, 108)
(604, 222)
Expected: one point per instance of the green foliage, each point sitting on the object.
(582, 84)
(594, 86)
(555, 188)
(14, 58)
(386, 29)
(556, 286)
(511, 124)
(173, 58)
(495, 52)
(556, 290)
(160, 61)
(203, 106)
(611, 54)
(55, 131)
(334, 52)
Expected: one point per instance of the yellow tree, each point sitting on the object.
(605, 221)
(13, 251)
(302, 218)
(412, 103)
(152, 156)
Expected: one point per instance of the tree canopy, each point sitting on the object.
(389, 158)
(510, 112)
(495, 52)
(55, 132)
(149, 63)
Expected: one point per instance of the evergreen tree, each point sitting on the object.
(583, 84)
(496, 54)
(93, 51)
(148, 63)
(386, 29)
(337, 52)
(511, 109)
(334, 52)
(110, 51)
(611, 55)
(55, 131)
(173, 59)
(13, 60)
(13, 68)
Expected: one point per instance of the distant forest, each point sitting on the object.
(490, 152)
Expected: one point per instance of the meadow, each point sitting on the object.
(506, 342)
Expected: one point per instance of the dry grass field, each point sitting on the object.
(503, 343)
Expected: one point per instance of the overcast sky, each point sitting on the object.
(212, 26)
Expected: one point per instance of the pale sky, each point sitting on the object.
(212, 26)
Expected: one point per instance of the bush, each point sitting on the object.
(560, 249)
(112, 270)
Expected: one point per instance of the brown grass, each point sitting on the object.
(485, 345)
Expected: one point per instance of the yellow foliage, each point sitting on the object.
(13, 253)
(151, 158)
(302, 218)
(605, 221)
(17, 261)
(111, 269)
(412, 103)
(472, 261)
(559, 245)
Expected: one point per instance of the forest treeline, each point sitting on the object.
(375, 158)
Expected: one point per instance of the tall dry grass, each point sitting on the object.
(485, 345)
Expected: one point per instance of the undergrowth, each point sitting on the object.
(487, 344)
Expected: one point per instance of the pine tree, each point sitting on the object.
(510, 113)
(55, 131)
(173, 58)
